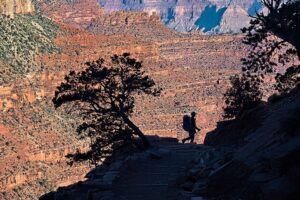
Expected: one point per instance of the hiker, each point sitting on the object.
(189, 124)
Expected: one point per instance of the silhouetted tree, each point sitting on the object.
(243, 94)
(104, 95)
(274, 38)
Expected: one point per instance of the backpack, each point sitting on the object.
(186, 120)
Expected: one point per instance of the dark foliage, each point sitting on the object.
(274, 39)
(103, 95)
(244, 94)
(288, 80)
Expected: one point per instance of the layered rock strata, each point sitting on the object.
(78, 13)
(138, 24)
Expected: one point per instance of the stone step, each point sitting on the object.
(172, 164)
(152, 194)
(159, 173)
(146, 185)
(180, 147)
(162, 171)
(177, 153)
(183, 149)
(151, 179)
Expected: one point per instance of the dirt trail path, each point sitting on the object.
(149, 175)
(154, 178)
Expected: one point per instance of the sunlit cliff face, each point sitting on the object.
(209, 16)
(12, 7)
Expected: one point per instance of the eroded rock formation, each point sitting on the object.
(233, 19)
(260, 156)
(138, 24)
(78, 13)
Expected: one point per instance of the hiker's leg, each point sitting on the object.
(192, 138)
(192, 135)
(185, 139)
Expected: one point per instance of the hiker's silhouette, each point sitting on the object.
(189, 125)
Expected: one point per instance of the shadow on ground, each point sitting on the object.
(149, 174)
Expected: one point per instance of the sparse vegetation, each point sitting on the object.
(274, 45)
(45, 184)
(274, 41)
(22, 38)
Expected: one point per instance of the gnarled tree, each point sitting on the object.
(104, 95)
(274, 38)
(275, 45)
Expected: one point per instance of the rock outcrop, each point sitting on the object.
(261, 161)
(234, 18)
(75, 13)
(138, 24)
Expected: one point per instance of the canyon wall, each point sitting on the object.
(192, 70)
(232, 18)
(186, 16)
(12, 7)
(208, 16)
(79, 13)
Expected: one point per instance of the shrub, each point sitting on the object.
(244, 94)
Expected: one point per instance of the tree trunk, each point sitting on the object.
(136, 130)
(298, 51)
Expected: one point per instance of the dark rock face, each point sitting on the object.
(265, 166)
(209, 16)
